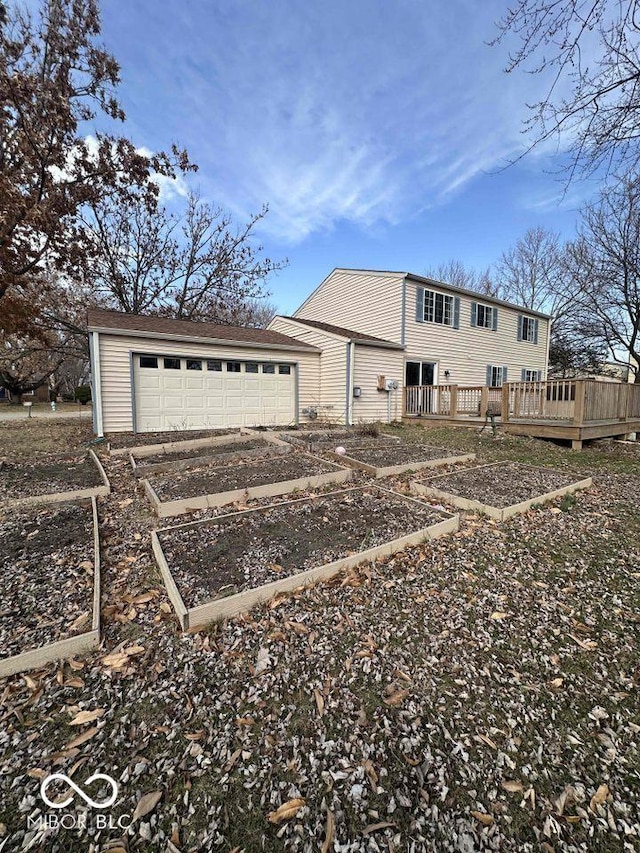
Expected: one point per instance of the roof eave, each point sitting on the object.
(163, 336)
(481, 297)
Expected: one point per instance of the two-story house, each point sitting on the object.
(411, 330)
(344, 355)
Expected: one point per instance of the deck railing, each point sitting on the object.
(577, 401)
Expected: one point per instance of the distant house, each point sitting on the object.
(40, 395)
(344, 355)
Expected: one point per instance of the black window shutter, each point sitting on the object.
(535, 331)
(520, 321)
(474, 313)
(420, 305)
(523, 375)
(489, 375)
(504, 374)
(494, 318)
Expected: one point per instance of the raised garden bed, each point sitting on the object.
(120, 443)
(223, 566)
(213, 486)
(501, 489)
(320, 440)
(50, 567)
(390, 459)
(183, 460)
(53, 479)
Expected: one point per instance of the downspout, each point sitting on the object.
(349, 394)
(96, 383)
(546, 356)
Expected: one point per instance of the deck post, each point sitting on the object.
(484, 401)
(505, 403)
(453, 401)
(579, 403)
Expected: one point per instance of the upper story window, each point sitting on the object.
(435, 307)
(438, 308)
(484, 316)
(527, 329)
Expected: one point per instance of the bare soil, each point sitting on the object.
(141, 439)
(501, 485)
(45, 475)
(259, 547)
(211, 480)
(221, 450)
(399, 454)
(46, 563)
(330, 438)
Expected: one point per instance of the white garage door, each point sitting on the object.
(174, 392)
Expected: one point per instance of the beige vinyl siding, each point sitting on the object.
(369, 363)
(329, 394)
(115, 368)
(370, 303)
(467, 351)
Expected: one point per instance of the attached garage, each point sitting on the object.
(151, 374)
(172, 392)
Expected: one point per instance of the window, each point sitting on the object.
(496, 375)
(148, 361)
(194, 364)
(527, 329)
(214, 365)
(438, 308)
(531, 375)
(251, 367)
(484, 316)
(233, 367)
(284, 369)
(268, 368)
(172, 364)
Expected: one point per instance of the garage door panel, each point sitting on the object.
(177, 399)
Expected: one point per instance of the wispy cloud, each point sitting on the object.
(361, 111)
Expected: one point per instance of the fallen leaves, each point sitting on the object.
(286, 811)
(483, 818)
(84, 717)
(146, 804)
(599, 798)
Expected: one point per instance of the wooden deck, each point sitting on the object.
(575, 410)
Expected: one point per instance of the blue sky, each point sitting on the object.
(375, 130)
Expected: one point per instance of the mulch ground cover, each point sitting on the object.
(129, 439)
(474, 694)
(46, 566)
(42, 475)
(259, 547)
(221, 450)
(501, 485)
(212, 480)
(398, 454)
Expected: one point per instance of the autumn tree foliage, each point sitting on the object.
(56, 79)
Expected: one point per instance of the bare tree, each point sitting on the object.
(591, 101)
(198, 266)
(55, 77)
(533, 273)
(605, 266)
(456, 273)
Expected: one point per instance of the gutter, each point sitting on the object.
(163, 336)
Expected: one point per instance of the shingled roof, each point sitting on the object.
(356, 337)
(103, 320)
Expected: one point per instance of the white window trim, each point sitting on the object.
(445, 296)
